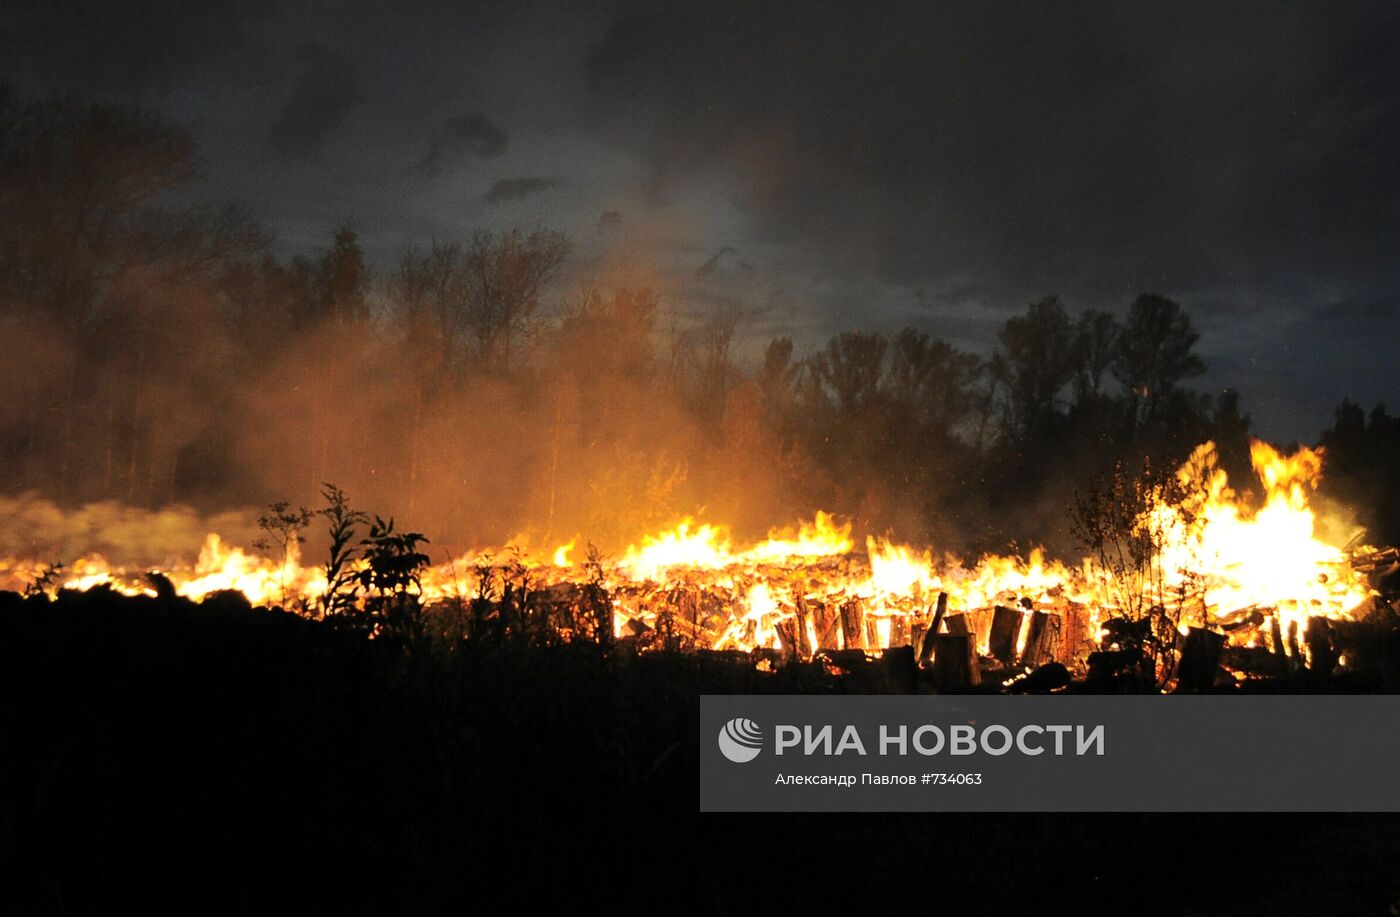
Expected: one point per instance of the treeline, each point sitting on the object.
(159, 352)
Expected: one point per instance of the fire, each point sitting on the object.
(1268, 558)
(809, 585)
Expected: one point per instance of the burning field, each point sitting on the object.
(1186, 584)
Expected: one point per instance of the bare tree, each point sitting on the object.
(75, 183)
(505, 277)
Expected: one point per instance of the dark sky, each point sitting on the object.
(827, 166)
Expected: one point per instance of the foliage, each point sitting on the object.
(282, 528)
(342, 580)
(393, 561)
(49, 577)
(1127, 521)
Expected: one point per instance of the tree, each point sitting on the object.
(343, 279)
(850, 368)
(1156, 353)
(1096, 341)
(76, 182)
(1033, 363)
(932, 382)
(506, 274)
(432, 306)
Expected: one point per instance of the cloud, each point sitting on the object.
(510, 189)
(464, 137)
(609, 222)
(1098, 152)
(327, 88)
(129, 49)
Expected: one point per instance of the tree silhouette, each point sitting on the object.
(1033, 363)
(505, 275)
(1156, 353)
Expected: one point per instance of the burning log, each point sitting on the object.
(899, 631)
(940, 610)
(872, 632)
(1259, 661)
(926, 650)
(787, 640)
(1240, 619)
(824, 619)
(1200, 659)
(955, 663)
(1077, 633)
(959, 624)
(804, 642)
(853, 624)
(1006, 627)
(1042, 639)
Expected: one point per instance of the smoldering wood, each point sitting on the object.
(1042, 639)
(958, 624)
(848, 659)
(1200, 659)
(1259, 661)
(1006, 627)
(955, 664)
(1276, 637)
(899, 668)
(1322, 654)
(1048, 679)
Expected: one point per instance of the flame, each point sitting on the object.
(1220, 556)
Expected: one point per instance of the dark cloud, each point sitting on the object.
(510, 189)
(1100, 148)
(464, 137)
(124, 48)
(327, 88)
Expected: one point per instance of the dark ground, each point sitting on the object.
(221, 759)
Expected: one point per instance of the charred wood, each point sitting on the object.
(1006, 627)
(1200, 659)
(1042, 639)
(955, 665)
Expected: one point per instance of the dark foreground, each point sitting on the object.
(221, 759)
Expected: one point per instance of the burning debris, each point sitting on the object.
(1185, 586)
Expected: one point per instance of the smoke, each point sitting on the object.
(38, 528)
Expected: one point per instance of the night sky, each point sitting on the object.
(826, 166)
